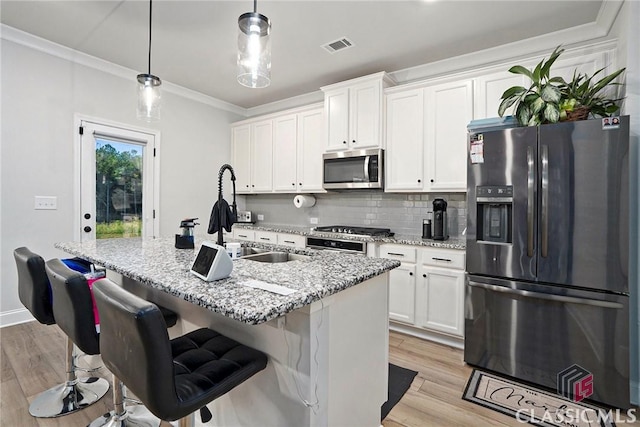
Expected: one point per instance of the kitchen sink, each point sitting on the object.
(246, 250)
(273, 257)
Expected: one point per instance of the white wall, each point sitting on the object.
(41, 93)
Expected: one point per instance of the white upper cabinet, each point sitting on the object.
(252, 152)
(241, 148)
(427, 137)
(405, 140)
(297, 152)
(353, 112)
(449, 110)
(489, 90)
(285, 147)
(311, 140)
(491, 85)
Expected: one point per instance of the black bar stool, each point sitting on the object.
(173, 378)
(35, 293)
(73, 308)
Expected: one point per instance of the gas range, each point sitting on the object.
(347, 244)
(355, 230)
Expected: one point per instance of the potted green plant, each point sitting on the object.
(540, 103)
(552, 99)
(581, 96)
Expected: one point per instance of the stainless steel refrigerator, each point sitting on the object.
(547, 254)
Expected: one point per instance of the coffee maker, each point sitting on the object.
(440, 229)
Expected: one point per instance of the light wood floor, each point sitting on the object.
(32, 360)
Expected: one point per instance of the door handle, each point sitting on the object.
(549, 297)
(366, 168)
(545, 202)
(530, 199)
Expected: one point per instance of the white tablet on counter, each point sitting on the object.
(212, 262)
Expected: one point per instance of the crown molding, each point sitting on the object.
(42, 45)
(570, 37)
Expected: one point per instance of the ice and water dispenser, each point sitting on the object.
(494, 207)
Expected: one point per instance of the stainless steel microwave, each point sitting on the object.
(354, 169)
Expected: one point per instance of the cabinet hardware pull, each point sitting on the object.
(344, 142)
(354, 141)
(440, 259)
(396, 254)
(293, 183)
(265, 238)
(289, 241)
(242, 235)
(431, 180)
(410, 273)
(424, 275)
(419, 181)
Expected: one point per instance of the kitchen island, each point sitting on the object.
(327, 341)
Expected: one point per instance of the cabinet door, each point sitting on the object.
(244, 234)
(241, 144)
(489, 90)
(405, 141)
(440, 300)
(262, 157)
(285, 143)
(402, 293)
(311, 139)
(365, 109)
(449, 109)
(336, 104)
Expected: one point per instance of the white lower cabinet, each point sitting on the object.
(439, 300)
(427, 291)
(292, 240)
(402, 293)
(270, 237)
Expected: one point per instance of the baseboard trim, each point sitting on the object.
(427, 335)
(14, 317)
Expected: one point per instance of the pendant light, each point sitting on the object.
(149, 93)
(254, 49)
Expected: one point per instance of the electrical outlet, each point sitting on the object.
(260, 217)
(46, 202)
(313, 220)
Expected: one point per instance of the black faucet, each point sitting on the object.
(223, 207)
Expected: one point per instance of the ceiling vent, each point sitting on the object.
(340, 44)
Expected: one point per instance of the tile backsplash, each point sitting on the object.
(402, 213)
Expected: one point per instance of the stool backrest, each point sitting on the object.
(33, 285)
(136, 346)
(73, 306)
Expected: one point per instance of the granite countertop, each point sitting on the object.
(157, 263)
(405, 239)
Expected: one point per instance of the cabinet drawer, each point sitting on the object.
(293, 240)
(266, 237)
(449, 258)
(403, 253)
(244, 234)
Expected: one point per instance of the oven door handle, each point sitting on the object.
(550, 297)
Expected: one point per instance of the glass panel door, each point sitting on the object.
(118, 192)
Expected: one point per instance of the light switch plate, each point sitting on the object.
(46, 202)
(313, 220)
(260, 217)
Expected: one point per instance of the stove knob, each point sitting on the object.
(350, 231)
(334, 230)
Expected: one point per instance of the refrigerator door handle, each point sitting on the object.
(530, 194)
(550, 297)
(545, 202)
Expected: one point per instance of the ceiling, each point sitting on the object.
(194, 42)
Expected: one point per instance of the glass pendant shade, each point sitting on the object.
(254, 50)
(149, 95)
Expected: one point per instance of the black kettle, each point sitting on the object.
(440, 229)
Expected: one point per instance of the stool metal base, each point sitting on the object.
(134, 416)
(66, 398)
